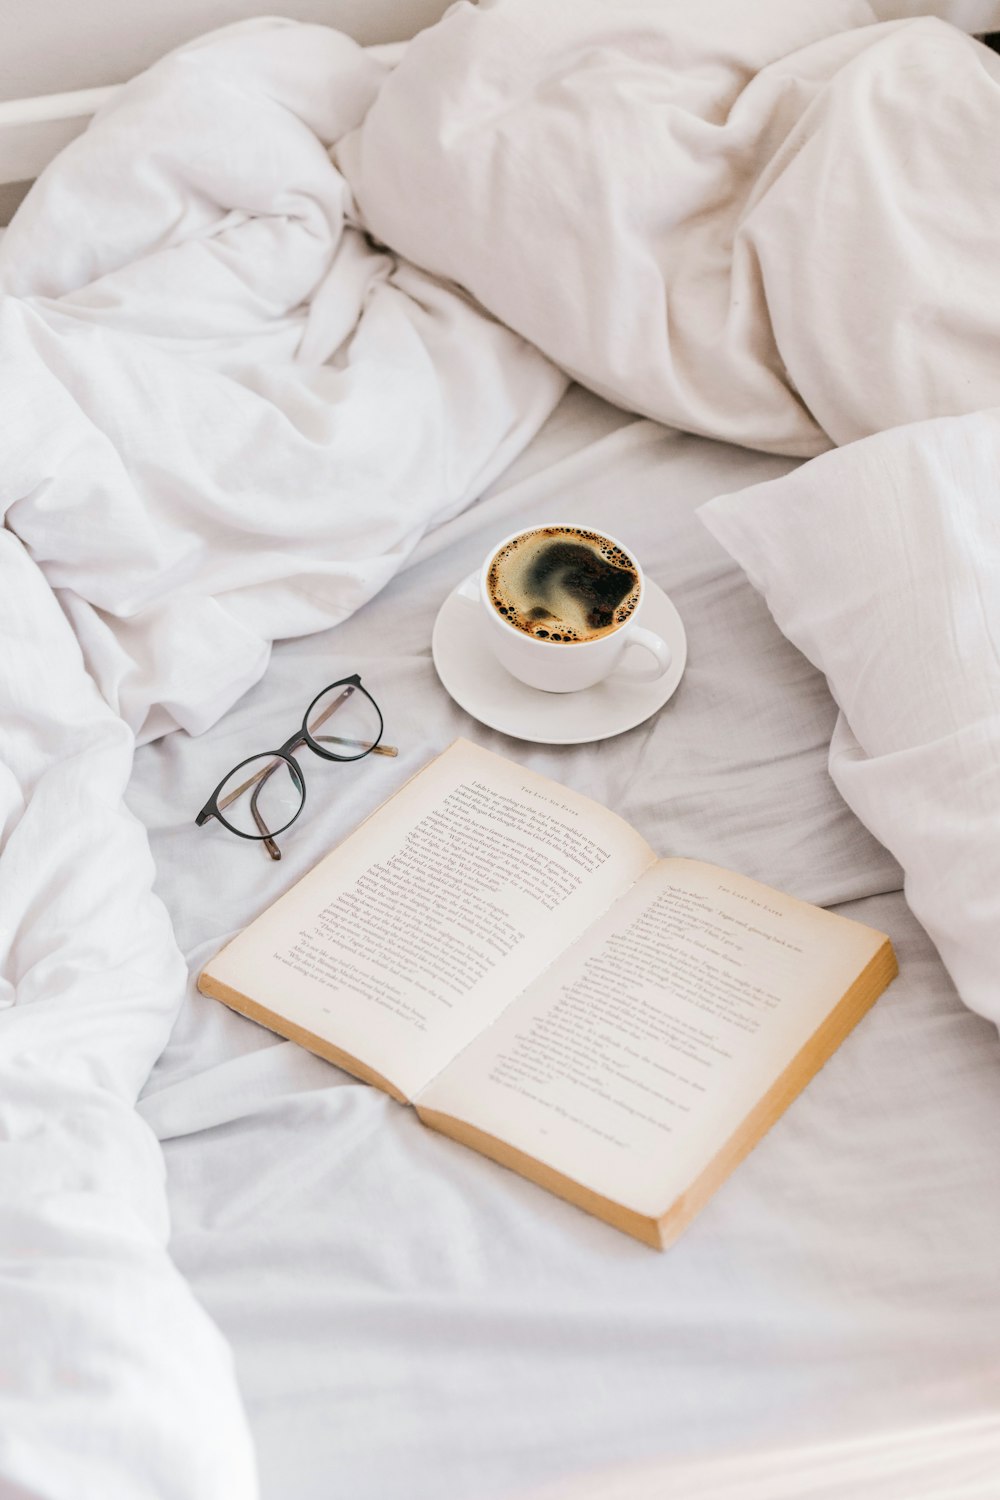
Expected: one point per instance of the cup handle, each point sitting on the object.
(657, 648)
(468, 589)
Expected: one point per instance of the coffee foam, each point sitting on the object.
(563, 584)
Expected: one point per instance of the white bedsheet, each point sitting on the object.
(412, 1322)
(230, 416)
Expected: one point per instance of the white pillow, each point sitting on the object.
(881, 562)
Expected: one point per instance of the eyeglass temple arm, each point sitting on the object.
(244, 786)
(258, 776)
(268, 840)
(337, 739)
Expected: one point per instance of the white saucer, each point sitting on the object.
(478, 683)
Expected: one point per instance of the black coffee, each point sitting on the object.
(563, 583)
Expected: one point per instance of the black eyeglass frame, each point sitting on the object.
(284, 755)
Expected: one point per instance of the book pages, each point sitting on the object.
(415, 933)
(633, 1060)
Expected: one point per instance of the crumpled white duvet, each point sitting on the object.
(229, 413)
(772, 224)
(227, 417)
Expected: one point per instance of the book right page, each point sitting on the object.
(630, 1064)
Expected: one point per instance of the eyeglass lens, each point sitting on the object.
(354, 731)
(262, 796)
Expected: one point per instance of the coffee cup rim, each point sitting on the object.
(522, 635)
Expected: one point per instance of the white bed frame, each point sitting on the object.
(33, 131)
(57, 45)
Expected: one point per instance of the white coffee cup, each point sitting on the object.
(566, 666)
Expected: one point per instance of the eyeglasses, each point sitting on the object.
(264, 794)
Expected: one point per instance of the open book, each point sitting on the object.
(515, 961)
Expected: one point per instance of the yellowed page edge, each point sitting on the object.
(626, 1219)
(662, 1231)
(293, 1033)
(877, 974)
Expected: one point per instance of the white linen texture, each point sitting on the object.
(281, 312)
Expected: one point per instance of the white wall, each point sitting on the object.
(50, 46)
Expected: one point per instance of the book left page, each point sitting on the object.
(414, 934)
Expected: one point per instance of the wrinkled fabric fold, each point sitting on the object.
(772, 225)
(228, 419)
(113, 1380)
(283, 309)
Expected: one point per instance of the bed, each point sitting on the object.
(360, 1307)
(453, 1330)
